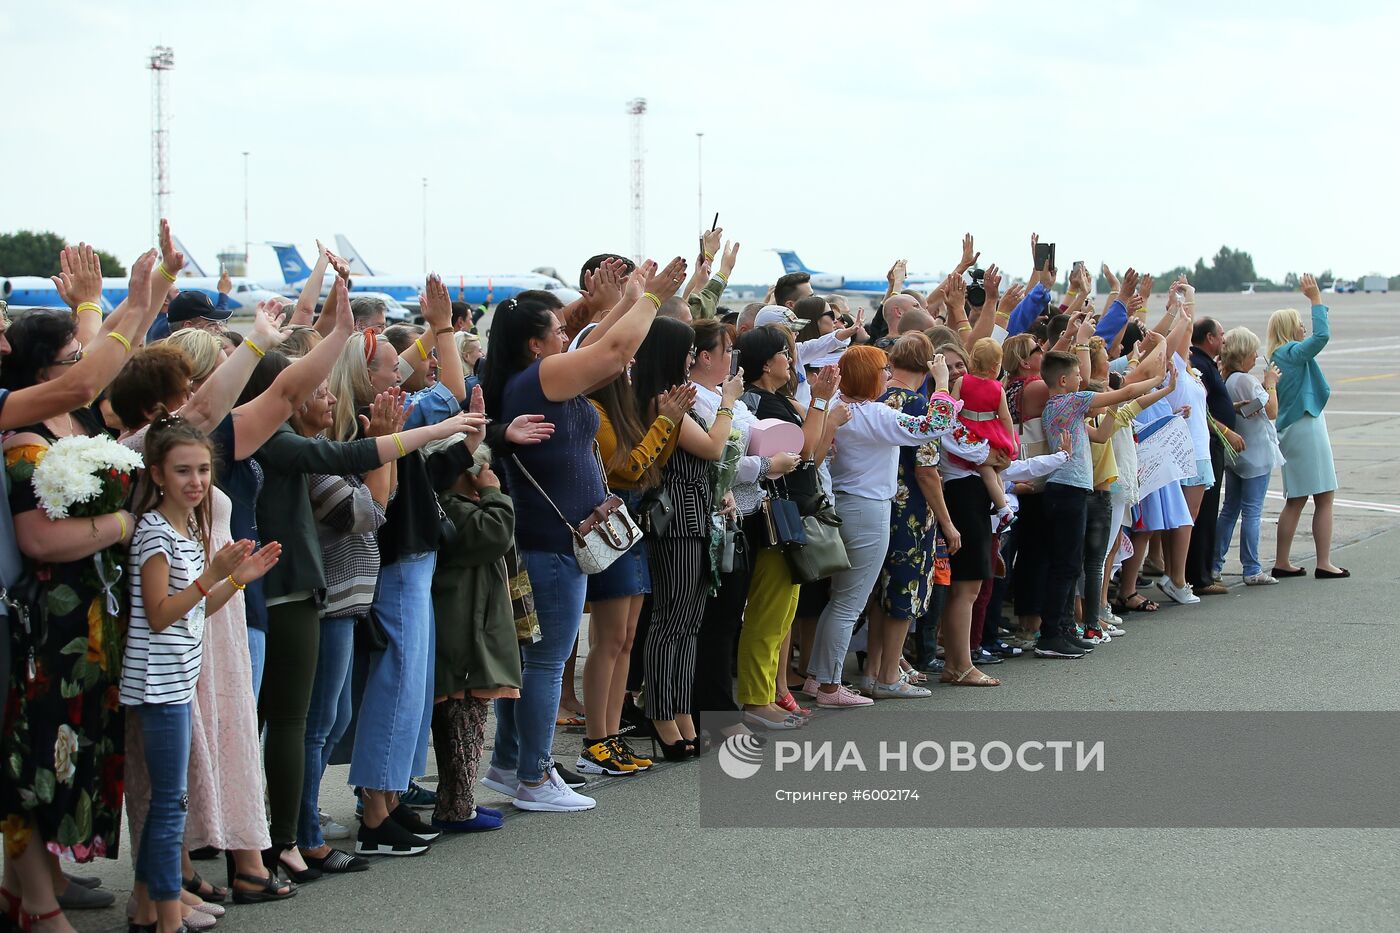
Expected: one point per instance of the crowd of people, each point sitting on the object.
(323, 540)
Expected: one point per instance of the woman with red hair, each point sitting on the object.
(863, 479)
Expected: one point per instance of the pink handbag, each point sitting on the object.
(774, 436)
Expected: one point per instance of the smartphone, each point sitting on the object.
(734, 363)
(1044, 256)
(716, 223)
(1078, 266)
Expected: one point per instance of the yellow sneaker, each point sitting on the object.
(602, 758)
(624, 752)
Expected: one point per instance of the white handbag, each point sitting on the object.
(604, 535)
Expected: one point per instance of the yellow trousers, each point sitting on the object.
(767, 619)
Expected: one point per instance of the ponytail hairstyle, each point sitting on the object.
(167, 432)
(513, 325)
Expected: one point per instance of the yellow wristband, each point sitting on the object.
(121, 339)
(422, 351)
(88, 306)
(670, 425)
(235, 584)
(121, 524)
(964, 326)
(248, 342)
(653, 299)
(399, 444)
(708, 254)
(169, 277)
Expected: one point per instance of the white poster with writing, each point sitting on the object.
(1165, 453)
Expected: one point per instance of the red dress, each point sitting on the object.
(981, 398)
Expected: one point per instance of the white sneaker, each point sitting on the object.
(899, 690)
(1178, 594)
(330, 829)
(1261, 579)
(553, 796)
(1110, 629)
(500, 781)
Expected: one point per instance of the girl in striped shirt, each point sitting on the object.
(174, 582)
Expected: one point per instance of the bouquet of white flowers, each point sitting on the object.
(84, 477)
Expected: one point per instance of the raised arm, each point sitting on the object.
(79, 284)
(710, 445)
(436, 305)
(1311, 345)
(566, 375)
(986, 316)
(305, 311)
(208, 406)
(894, 279)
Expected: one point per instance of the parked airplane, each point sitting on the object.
(474, 288)
(37, 291)
(863, 285)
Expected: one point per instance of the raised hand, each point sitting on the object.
(266, 331)
(665, 283)
(1272, 374)
(1110, 278)
(603, 286)
(477, 403)
(386, 414)
(1145, 287)
(229, 557)
(895, 277)
(709, 243)
(825, 382)
(857, 327)
(969, 257)
(1011, 299)
(1128, 285)
(338, 303)
(529, 429)
(257, 564)
(637, 282)
(139, 281)
(1083, 330)
(172, 259)
(991, 282)
(1188, 291)
(956, 291)
(435, 303)
(464, 422)
(1135, 303)
(938, 369)
(1308, 286)
(675, 402)
(727, 260)
(225, 282)
(80, 281)
(730, 389)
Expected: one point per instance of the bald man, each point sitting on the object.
(895, 307)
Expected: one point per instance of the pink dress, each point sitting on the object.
(981, 400)
(226, 776)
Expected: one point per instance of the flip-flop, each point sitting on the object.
(965, 679)
(571, 721)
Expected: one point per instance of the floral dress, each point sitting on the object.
(906, 578)
(62, 748)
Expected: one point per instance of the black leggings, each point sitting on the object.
(714, 660)
(293, 642)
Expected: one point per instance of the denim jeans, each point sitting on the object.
(1065, 524)
(1243, 497)
(388, 733)
(1097, 528)
(525, 727)
(257, 653)
(326, 720)
(166, 737)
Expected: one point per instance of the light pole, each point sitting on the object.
(700, 182)
(425, 225)
(246, 239)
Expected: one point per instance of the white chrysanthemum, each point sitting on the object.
(71, 468)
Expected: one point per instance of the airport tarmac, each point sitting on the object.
(642, 859)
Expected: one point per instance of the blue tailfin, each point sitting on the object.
(294, 268)
(790, 261)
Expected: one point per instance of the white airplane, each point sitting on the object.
(850, 284)
(475, 288)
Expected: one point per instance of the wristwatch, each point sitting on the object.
(820, 404)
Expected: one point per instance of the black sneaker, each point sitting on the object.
(571, 780)
(1057, 647)
(412, 822)
(418, 797)
(1082, 644)
(388, 838)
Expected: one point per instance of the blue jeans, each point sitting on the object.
(326, 720)
(257, 652)
(166, 737)
(525, 727)
(388, 735)
(1242, 497)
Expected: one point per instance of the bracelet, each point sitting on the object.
(422, 351)
(121, 526)
(1133, 361)
(248, 342)
(200, 587)
(964, 326)
(725, 411)
(708, 254)
(88, 306)
(1003, 314)
(1079, 346)
(653, 299)
(442, 330)
(235, 584)
(399, 444)
(165, 272)
(93, 519)
(121, 339)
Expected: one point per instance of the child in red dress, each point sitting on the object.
(986, 416)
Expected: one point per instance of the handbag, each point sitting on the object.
(782, 523)
(605, 534)
(656, 510)
(824, 553)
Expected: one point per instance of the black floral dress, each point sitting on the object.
(61, 755)
(906, 579)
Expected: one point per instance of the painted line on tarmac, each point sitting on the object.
(1383, 347)
(1344, 411)
(1353, 504)
(1369, 378)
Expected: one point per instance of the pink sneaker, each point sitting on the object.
(843, 698)
(810, 686)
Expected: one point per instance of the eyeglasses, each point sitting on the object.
(69, 360)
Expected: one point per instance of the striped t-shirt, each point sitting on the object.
(162, 667)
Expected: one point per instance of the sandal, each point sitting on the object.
(1121, 606)
(966, 679)
(196, 885)
(570, 722)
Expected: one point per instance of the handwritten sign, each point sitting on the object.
(1165, 453)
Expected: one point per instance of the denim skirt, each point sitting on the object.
(630, 574)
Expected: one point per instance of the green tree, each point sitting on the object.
(35, 252)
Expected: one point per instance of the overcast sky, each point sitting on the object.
(1139, 133)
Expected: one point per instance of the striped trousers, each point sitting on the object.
(680, 576)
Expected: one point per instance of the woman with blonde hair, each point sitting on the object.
(1302, 433)
(204, 350)
(1247, 477)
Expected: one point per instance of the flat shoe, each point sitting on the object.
(1321, 574)
(1278, 573)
